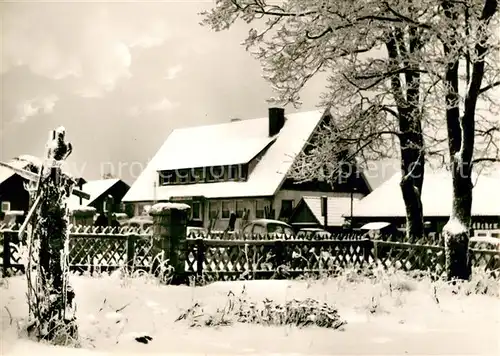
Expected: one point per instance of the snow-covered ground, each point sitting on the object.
(390, 315)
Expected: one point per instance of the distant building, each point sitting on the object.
(385, 204)
(309, 213)
(14, 198)
(241, 166)
(99, 190)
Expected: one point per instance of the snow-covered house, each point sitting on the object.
(99, 190)
(240, 167)
(436, 202)
(14, 198)
(309, 212)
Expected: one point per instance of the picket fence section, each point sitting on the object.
(104, 249)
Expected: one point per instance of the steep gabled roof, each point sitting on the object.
(387, 200)
(243, 138)
(95, 188)
(337, 207)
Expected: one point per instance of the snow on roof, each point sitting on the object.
(265, 178)
(205, 149)
(6, 173)
(20, 162)
(336, 208)
(95, 188)
(387, 200)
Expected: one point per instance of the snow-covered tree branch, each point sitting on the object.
(397, 73)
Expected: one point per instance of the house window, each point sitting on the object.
(287, 206)
(243, 172)
(105, 206)
(217, 173)
(240, 208)
(227, 207)
(260, 209)
(191, 176)
(197, 175)
(166, 177)
(233, 172)
(214, 209)
(183, 176)
(196, 211)
(6, 206)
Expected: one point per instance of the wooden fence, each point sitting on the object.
(257, 259)
(90, 249)
(104, 249)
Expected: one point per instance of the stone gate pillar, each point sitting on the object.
(169, 236)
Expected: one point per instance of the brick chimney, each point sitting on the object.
(276, 120)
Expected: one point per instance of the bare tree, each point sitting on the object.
(470, 39)
(389, 66)
(376, 100)
(108, 175)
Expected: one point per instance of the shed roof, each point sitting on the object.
(387, 200)
(95, 188)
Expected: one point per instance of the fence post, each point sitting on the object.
(130, 252)
(169, 237)
(200, 255)
(279, 252)
(375, 251)
(6, 253)
(368, 247)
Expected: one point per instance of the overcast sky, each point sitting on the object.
(120, 76)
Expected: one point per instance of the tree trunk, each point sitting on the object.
(456, 230)
(410, 125)
(461, 144)
(412, 179)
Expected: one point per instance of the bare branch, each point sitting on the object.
(485, 159)
(489, 87)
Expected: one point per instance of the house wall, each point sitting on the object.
(296, 195)
(12, 190)
(237, 204)
(250, 204)
(117, 191)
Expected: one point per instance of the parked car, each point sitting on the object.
(121, 218)
(381, 231)
(141, 222)
(267, 227)
(196, 231)
(484, 243)
(313, 232)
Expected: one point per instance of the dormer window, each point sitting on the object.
(183, 176)
(192, 176)
(237, 172)
(234, 172)
(217, 173)
(167, 177)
